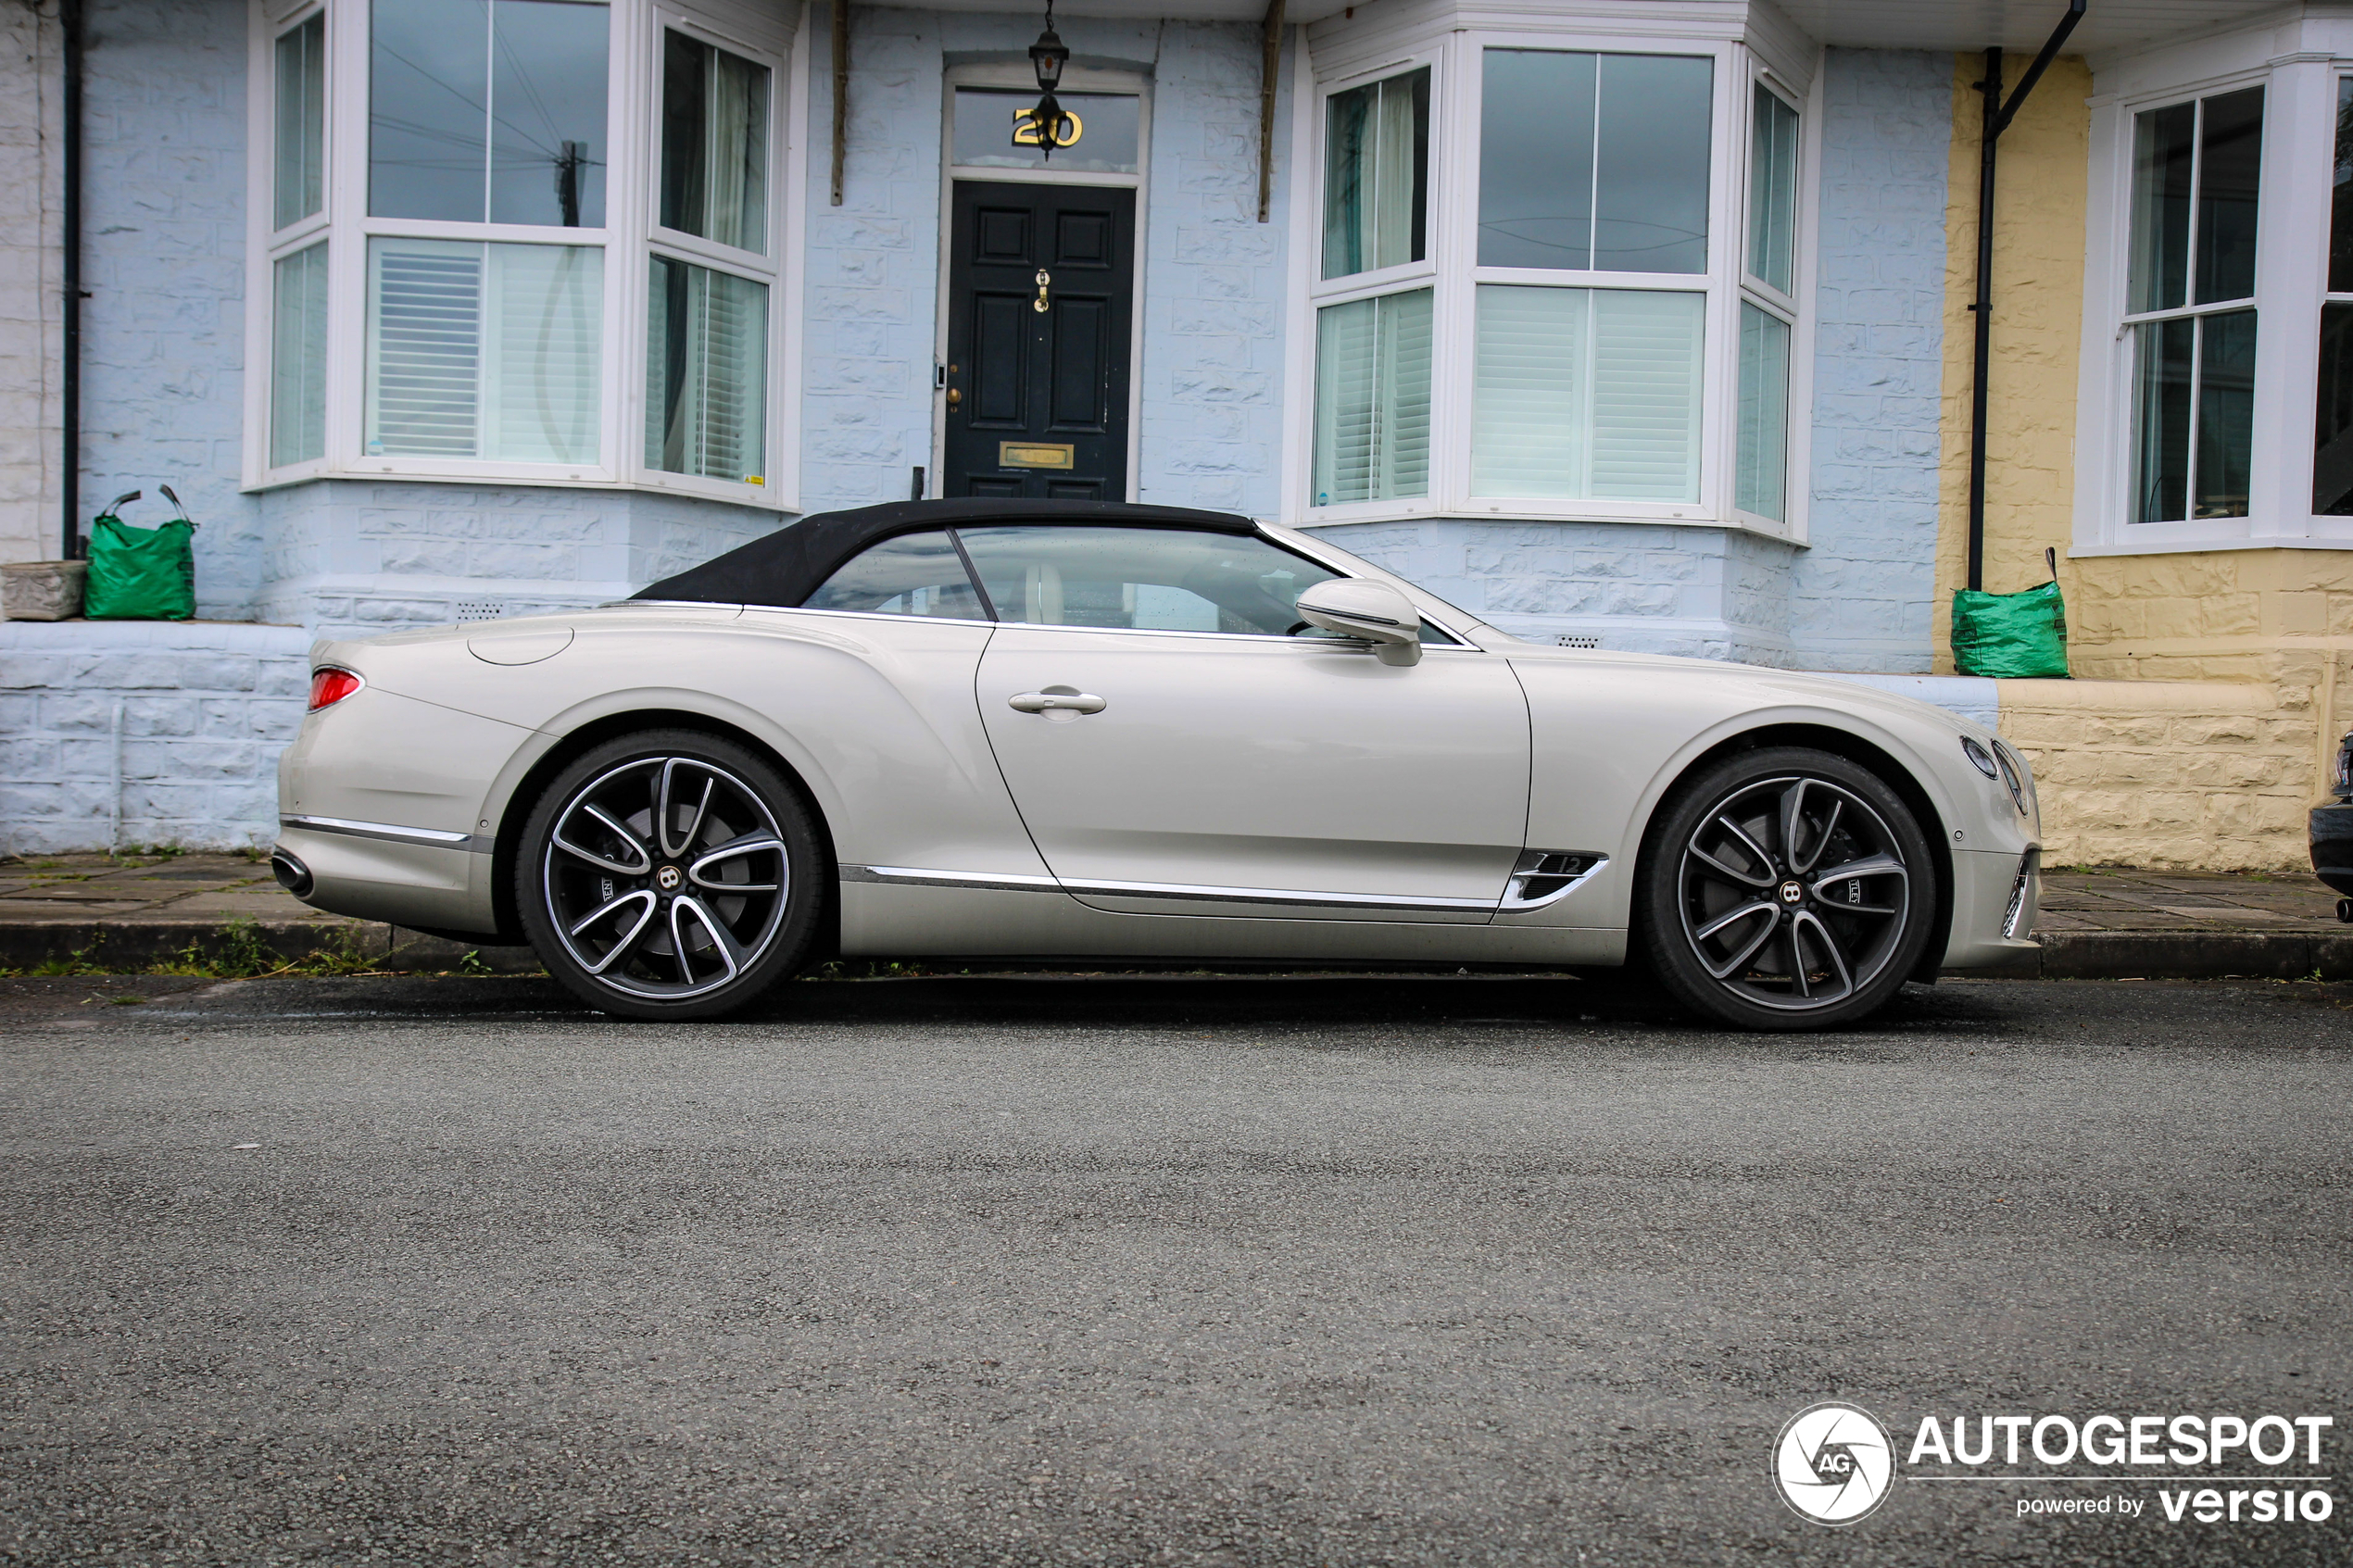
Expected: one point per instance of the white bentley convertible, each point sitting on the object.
(977, 729)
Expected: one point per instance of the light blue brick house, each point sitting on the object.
(1618, 321)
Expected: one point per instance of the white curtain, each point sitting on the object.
(1587, 393)
(1372, 399)
(1371, 206)
(735, 151)
(1772, 190)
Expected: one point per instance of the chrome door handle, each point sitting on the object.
(1056, 699)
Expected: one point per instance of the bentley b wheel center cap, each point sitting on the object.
(669, 877)
(1793, 893)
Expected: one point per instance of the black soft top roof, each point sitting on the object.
(788, 566)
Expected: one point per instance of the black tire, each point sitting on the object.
(648, 923)
(1741, 909)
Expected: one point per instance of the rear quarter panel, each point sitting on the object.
(876, 714)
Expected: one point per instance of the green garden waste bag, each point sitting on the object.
(141, 573)
(2012, 635)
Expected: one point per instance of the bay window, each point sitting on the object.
(2191, 294)
(2217, 408)
(1522, 304)
(520, 239)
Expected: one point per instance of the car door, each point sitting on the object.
(1172, 749)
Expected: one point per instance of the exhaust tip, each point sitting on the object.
(292, 874)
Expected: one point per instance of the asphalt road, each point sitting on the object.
(968, 1272)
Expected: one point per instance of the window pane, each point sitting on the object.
(714, 143)
(1759, 479)
(2333, 438)
(2341, 199)
(1587, 393)
(548, 148)
(1147, 579)
(706, 373)
(1108, 132)
(2230, 163)
(1372, 399)
(1650, 170)
(1772, 190)
(1536, 159)
(298, 358)
(301, 123)
(2162, 159)
(485, 351)
(1376, 175)
(489, 110)
(2226, 413)
(1595, 161)
(2161, 412)
(919, 574)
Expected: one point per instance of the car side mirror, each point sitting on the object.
(1368, 612)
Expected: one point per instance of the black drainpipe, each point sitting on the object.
(1998, 116)
(69, 399)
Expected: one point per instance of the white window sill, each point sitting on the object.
(674, 485)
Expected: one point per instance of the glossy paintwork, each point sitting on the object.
(1219, 761)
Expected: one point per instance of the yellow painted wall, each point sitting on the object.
(2198, 775)
(2210, 686)
(2038, 324)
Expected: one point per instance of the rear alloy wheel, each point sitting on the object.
(669, 874)
(1786, 889)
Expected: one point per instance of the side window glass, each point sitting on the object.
(1140, 579)
(914, 575)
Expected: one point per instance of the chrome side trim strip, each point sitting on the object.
(910, 876)
(392, 832)
(1278, 895)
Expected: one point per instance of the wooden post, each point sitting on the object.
(1270, 71)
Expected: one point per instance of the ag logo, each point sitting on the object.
(1832, 1463)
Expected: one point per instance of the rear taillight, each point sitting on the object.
(331, 686)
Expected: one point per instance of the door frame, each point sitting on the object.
(1075, 79)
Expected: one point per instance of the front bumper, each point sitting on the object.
(1997, 896)
(2331, 839)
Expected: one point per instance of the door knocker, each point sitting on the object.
(1038, 304)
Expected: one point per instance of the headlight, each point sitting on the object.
(1977, 754)
(2014, 776)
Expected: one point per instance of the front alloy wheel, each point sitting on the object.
(669, 874)
(1787, 889)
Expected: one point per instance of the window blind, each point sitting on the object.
(706, 386)
(1587, 393)
(1372, 399)
(484, 350)
(1760, 479)
(298, 358)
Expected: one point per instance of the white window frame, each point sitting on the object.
(1456, 59)
(629, 237)
(2291, 278)
(1788, 309)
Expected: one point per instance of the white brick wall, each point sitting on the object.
(204, 708)
(30, 88)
